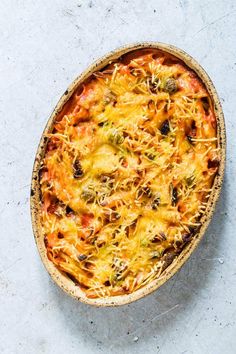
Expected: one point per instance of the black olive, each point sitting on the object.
(60, 235)
(174, 195)
(101, 124)
(115, 216)
(178, 245)
(170, 85)
(78, 171)
(82, 257)
(165, 127)
(193, 229)
(112, 216)
(162, 235)
(155, 202)
(190, 180)
(168, 258)
(110, 97)
(193, 125)
(71, 277)
(42, 170)
(156, 239)
(151, 103)
(52, 144)
(46, 241)
(144, 191)
(102, 201)
(191, 133)
(213, 163)
(205, 104)
(155, 254)
(187, 237)
(107, 283)
(104, 178)
(100, 243)
(159, 237)
(150, 155)
(69, 210)
(153, 85)
(54, 202)
(166, 108)
(190, 139)
(155, 206)
(147, 191)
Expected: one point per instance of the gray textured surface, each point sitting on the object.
(44, 45)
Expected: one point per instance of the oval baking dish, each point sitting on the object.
(171, 260)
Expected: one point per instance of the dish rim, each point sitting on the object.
(61, 279)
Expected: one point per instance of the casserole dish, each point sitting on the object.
(108, 251)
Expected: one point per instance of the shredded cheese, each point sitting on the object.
(127, 172)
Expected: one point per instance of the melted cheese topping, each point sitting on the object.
(127, 172)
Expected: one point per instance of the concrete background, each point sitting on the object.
(44, 45)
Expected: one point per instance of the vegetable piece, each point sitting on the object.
(88, 195)
(116, 137)
(170, 85)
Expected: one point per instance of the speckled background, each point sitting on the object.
(44, 45)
